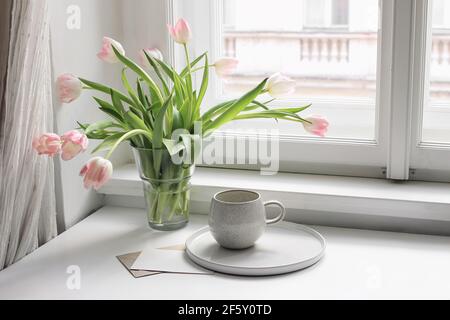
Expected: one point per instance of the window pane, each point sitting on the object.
(438, 13)
(335, 68)
(315, 13)
(340, 13)
(436, 125)
(229, 17)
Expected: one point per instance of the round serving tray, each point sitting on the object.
(284, 248)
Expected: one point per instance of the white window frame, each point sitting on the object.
(396, 152)
(429, 161)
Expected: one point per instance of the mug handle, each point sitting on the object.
(282, 212)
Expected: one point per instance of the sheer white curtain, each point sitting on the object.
(27, 191)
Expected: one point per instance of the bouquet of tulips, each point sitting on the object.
(147, 113)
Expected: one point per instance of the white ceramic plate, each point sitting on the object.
(285, 247)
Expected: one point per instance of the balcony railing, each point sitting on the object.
(351, 54)
(327, 49)
(305, 53)
(440, 52)
(334, 60)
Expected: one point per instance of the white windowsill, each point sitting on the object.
(358, 264)
(412, 206)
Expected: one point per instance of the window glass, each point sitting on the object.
(438, 13)
(315, 13)
(340, 13)
(334, 68)
(436, 122)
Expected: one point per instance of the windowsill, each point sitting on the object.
(413, 206)
(358, 264)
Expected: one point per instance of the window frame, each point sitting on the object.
(428, 161)
(395, 152)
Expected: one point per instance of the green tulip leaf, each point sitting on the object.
(236, 108)
(105, 89)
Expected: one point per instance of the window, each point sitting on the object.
(229, 14)
(321, 14)
(339, 13)
(378, 69)
(339, 66)
(437, 106)
(439, 8)
(431, 135)
(315, 13)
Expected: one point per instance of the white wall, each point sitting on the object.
(136, 24)
(75, 51)
(144, 24)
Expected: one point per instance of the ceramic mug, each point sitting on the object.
(238, 218)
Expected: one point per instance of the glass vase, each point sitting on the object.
(166, 188)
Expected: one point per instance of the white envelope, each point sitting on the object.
(171, 261)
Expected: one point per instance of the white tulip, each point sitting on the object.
(280, 86)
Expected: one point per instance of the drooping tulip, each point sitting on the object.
(69, 87)
(96, 172)
(280, 86)
(318, 125)
(225, 66)
(47, 144)
(152, 52)
(181, 33)
(73, 143)
(107, 53)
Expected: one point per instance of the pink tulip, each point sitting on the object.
(280, 86)
(152, 52)
(318, 125)
(69, 87)
(181, 33)
(73, 143)
(107, 53)
(48, 144)
(226, 66)
(96, 172)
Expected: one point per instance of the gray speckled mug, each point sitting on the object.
(238, 218)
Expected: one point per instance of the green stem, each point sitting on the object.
(160, 208)
(201, 68)
(188, 62)
(189, 81)
(128, 135)
(173, 206)
(153, 208)
(175, 199)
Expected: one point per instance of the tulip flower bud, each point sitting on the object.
(69, 87)
(96, 172)
(280, 86)
(226, 66)
(73, 143)
(181, 33)
(107, 53)
(47, 144)
(318, 125)
(152, 52)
